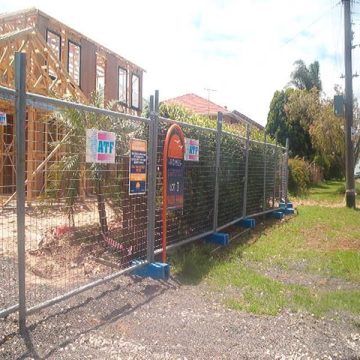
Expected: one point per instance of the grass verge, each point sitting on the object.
(321, 242)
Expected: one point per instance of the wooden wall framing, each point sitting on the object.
(25, 31)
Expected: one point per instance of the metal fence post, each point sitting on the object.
(217, 168)
(152, 154)
(286, 171)
(246, 169)
(20, 104)
(275, 166)
(265, 169)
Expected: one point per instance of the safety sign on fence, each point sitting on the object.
(191, 150)
(100, 146)
(3, 118)
(137, 167)
(174, 157)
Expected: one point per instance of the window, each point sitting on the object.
(122, 85)
(54, 42)
(135, 91)
(74, 62)
(100, 76)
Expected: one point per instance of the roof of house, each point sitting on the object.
(248, 120)
(196, 104)
(199, 105)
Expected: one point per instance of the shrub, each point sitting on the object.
(341, 190)
(299, 176)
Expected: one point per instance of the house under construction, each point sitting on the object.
(61, 63)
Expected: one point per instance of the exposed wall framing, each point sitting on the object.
(46, 42)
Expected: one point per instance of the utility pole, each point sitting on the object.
(349, 150)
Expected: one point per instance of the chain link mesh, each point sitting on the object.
(82, 224)
(196, 217)
(8, 223)
(232, 178)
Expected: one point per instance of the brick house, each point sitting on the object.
(201, 106)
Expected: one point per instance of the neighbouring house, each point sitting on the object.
(64, 63)
(202, 106)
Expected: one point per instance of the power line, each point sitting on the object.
(311, 24)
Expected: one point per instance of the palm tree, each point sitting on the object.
(64, 176)
(306, 78)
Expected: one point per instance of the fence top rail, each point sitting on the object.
(7, 90)
(7, 93)
(35, 99)
(234, 135)
(268, 144)
(252, 140)
(171, 121)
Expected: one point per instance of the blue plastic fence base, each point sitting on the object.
(218, 238)
(156, 270)
(288, 210)
(277, 215)
(289, 205)
(246, 223)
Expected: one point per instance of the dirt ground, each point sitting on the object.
(132, 318)
(58, 258)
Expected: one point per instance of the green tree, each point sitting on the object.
(306, 78)
(301, 109)
(327, 137)
(65, 175)
(277, 120)
(289, 117)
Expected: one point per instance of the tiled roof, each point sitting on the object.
(196, 104)
(245, 118)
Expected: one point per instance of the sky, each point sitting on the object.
(242, 50)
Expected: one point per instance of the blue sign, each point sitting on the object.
(175, 183)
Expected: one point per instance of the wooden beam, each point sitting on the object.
(40, 167)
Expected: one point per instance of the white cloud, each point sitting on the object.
(236, 47)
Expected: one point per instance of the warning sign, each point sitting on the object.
(100, 146)
(175, 172)
(191, 149)
(137, 167)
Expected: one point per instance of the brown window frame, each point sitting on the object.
(139, 88)
(56, 34)
(126, 85)
(98, 56)
(68, 63)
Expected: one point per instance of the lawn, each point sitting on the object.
(308, 262)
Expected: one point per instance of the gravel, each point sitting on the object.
(133, 318)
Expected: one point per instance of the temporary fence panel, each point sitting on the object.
(91, 198)
(278, 163)
(82, 223)
(232, 178)
(255, 186)
(196, 216)
(8, 221)
(270, 161)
